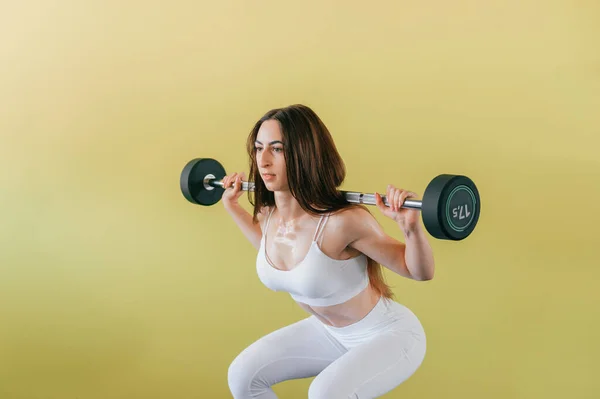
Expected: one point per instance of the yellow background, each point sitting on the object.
(112, 285)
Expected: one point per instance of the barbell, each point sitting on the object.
(449, 209)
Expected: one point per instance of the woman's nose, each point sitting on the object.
(264, 160)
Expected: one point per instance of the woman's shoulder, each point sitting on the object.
(352, 222)
(264, 211)
(263, 214)
(350, 216)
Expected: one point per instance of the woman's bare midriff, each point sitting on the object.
(345, 313)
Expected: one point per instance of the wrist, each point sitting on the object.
(230, 205)
(410, 228)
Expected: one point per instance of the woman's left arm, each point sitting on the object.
(414, 257)
(418, 253)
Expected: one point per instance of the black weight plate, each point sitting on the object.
(451, 207)
(192, 181)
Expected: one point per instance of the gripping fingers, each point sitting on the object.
(229, 180)
(394, 195)
(397, 196)
(405, 195)
(390, 197)
(233, 181)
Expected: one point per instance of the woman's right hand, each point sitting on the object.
(233, 188)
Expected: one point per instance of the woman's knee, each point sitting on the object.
(241, 375)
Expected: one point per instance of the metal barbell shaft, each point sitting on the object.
(351, 196)
(369, 199)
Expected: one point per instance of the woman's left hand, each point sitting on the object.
(407, 218)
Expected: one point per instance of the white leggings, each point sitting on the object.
(363, 360)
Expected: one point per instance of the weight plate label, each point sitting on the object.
(460, 208)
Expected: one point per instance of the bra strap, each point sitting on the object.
(320, 228)
(268, 221)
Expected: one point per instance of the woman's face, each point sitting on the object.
(269, 156)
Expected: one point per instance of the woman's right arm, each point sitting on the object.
(233, 191)
(243, 219)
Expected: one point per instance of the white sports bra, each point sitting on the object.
(317, 280)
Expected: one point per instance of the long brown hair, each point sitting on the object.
(315, 170)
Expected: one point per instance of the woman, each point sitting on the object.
(326, 252)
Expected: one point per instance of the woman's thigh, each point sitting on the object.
(377, 365)
(299, 350)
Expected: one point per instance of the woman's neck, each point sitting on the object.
(288, 207)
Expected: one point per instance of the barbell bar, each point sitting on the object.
(450, 206)
(351, 196)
